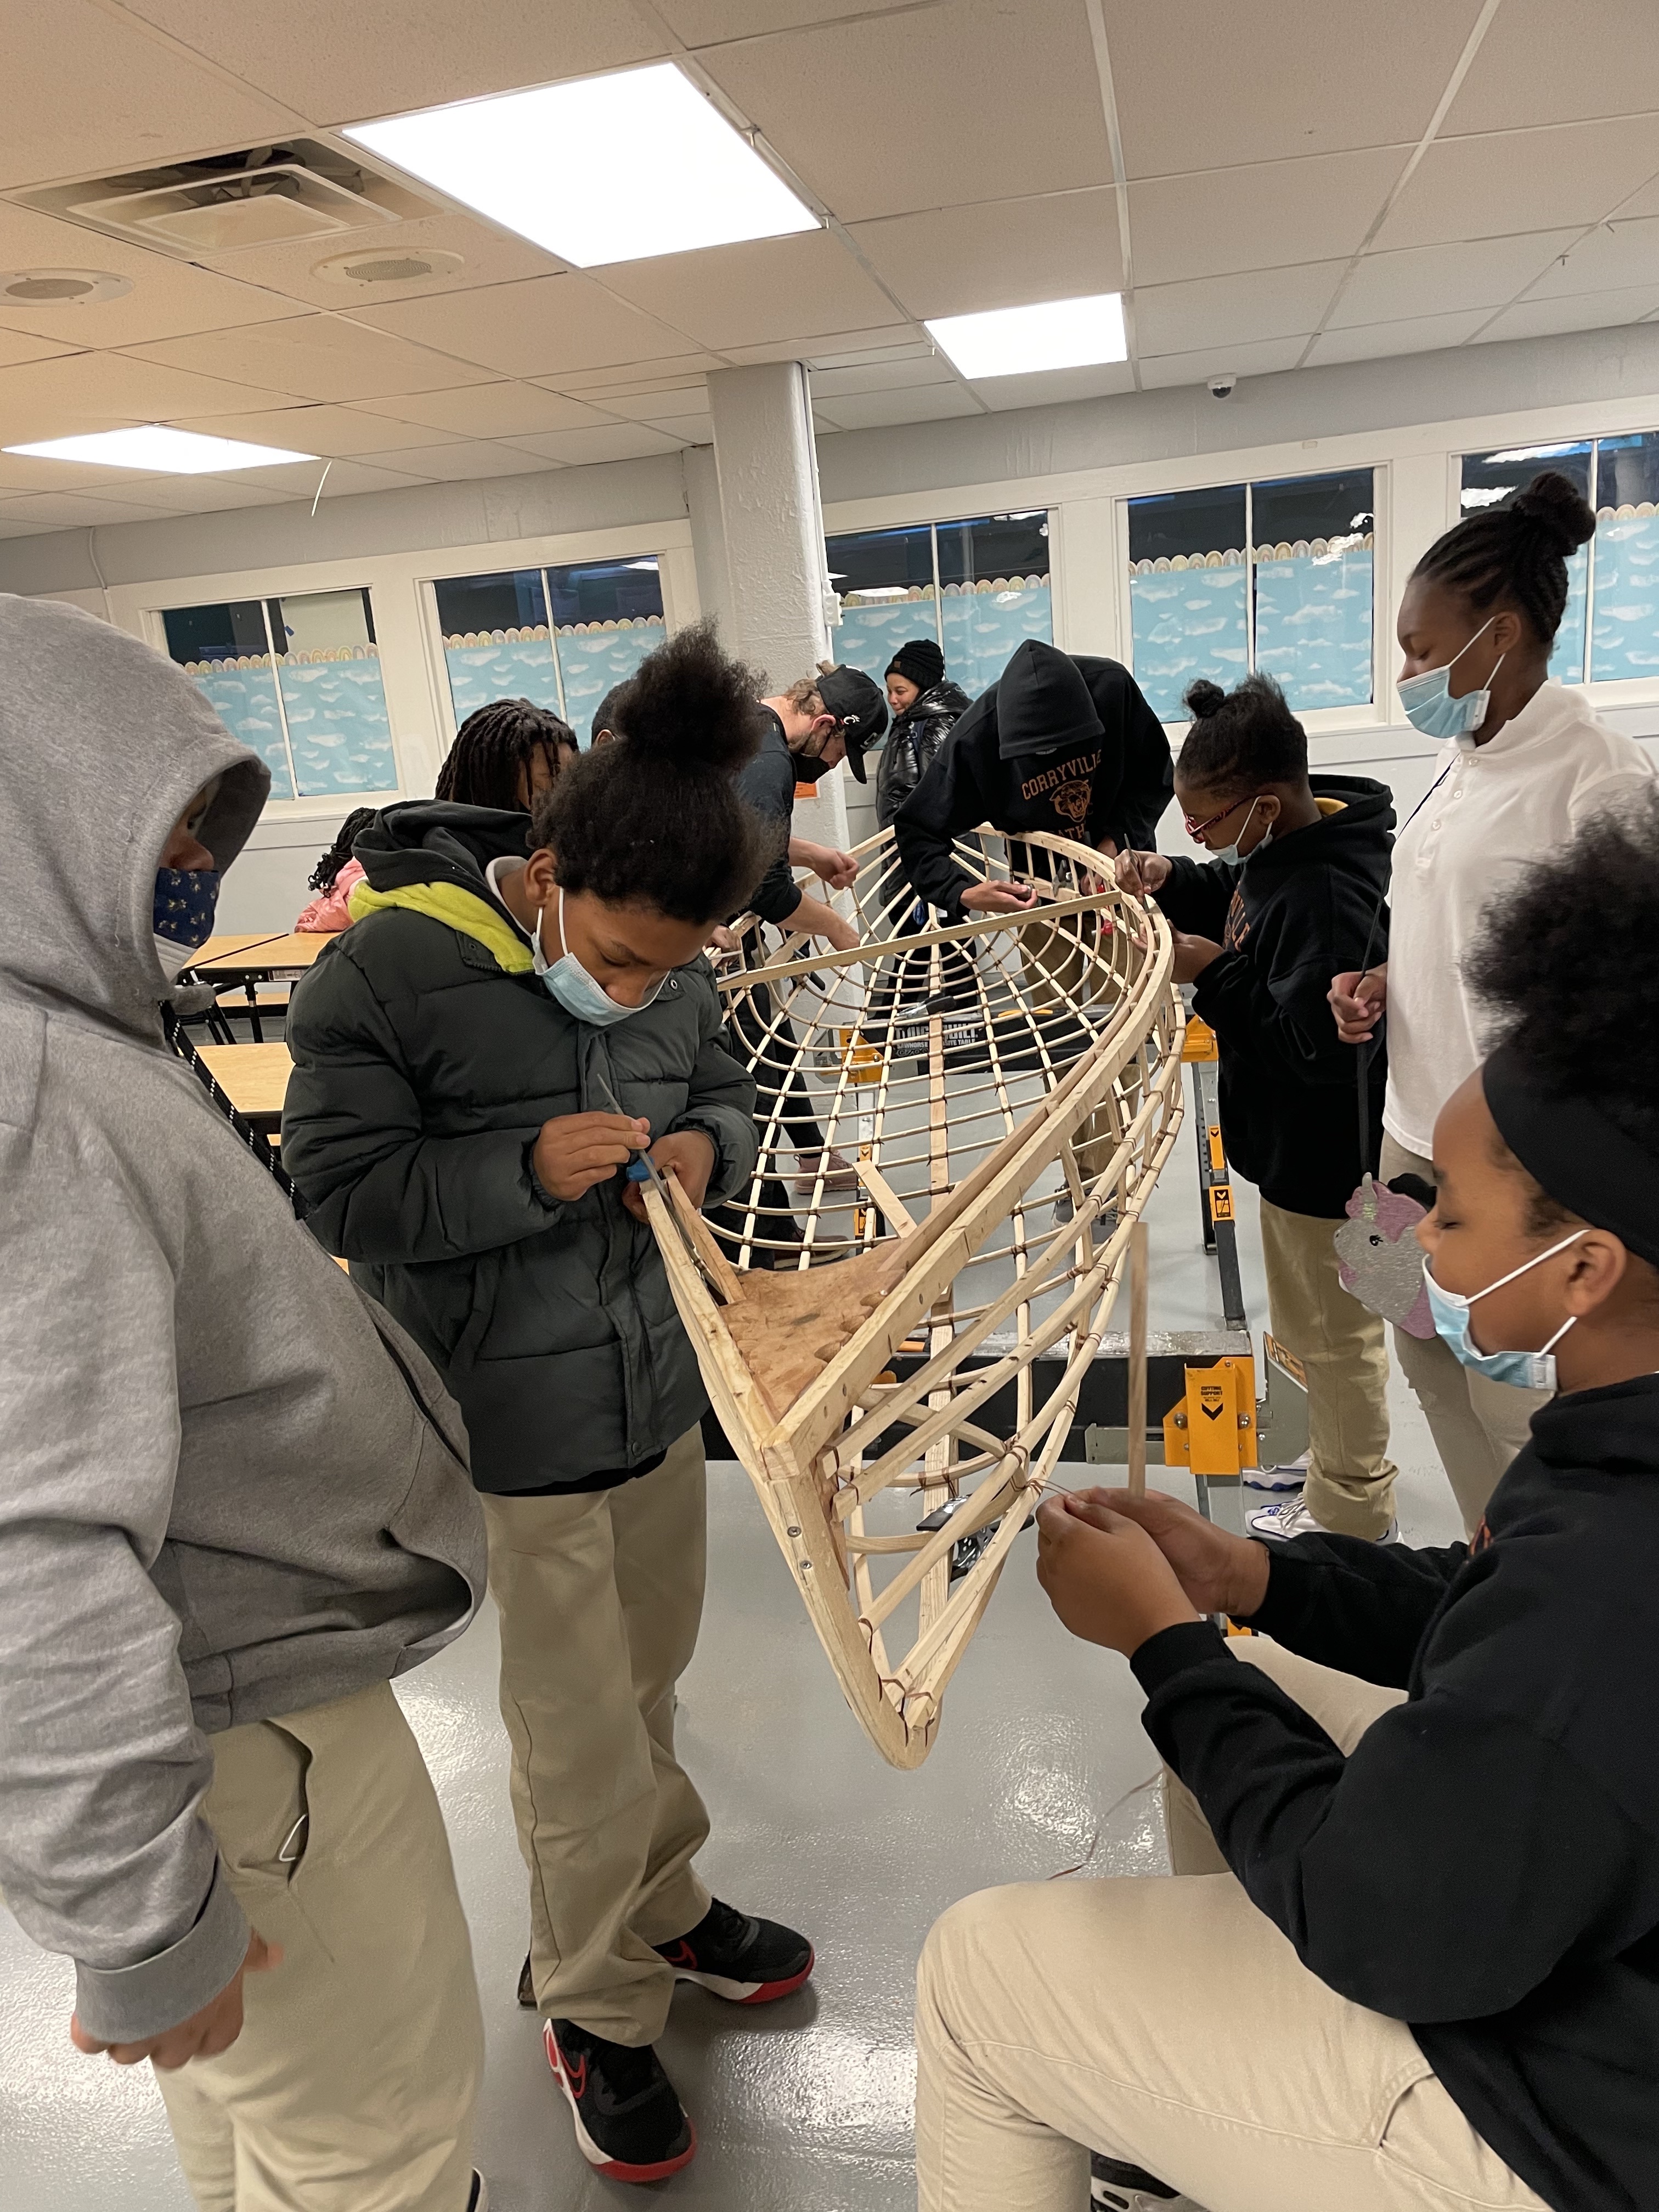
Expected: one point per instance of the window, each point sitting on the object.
(1489, 477)
(1277, 575)
(1613, 601)
(559, 637)
(1625, 626)
(298, 678)
(977, 588)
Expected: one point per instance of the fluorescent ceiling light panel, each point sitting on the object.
(1018, 341)
(161, 452)
(608, 168)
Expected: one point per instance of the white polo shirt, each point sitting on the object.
(1516, 799)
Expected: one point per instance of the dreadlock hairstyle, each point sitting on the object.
(1242, 738)
(495, 746)
(1565, 977)
(1516, 552)
(323, 875)
(654, 819)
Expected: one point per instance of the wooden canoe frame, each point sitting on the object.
(797, 1364)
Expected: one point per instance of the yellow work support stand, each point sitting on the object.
(1212, 1430)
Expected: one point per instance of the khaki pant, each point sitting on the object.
(351, 2087)
(1350, 1478)
(1478, 1425)
(1055, 964)
(1169, 2023)
(601, 1596)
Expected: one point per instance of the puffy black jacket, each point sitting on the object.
(1296, 912)
(912, 743)
(426, 1058)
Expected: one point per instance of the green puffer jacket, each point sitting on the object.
(426, 1058)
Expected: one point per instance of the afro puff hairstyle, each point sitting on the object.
(654, 819)
(1564, 963)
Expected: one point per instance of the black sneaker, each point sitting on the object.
(479, 2200)
(745, 1960)
(629, 2124)
(1116, 2186)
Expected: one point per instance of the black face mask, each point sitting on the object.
(809, 769)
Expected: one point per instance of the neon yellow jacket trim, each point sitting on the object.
(456, 910)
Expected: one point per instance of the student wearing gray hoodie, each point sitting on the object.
(234, 1503)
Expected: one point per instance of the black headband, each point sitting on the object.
(1575, 1155)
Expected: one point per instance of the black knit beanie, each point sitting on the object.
(919, 661)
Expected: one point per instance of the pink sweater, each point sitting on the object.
(327, 911)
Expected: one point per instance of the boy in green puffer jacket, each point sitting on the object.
(476, 1062)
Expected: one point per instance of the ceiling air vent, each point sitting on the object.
(55, 287)
(366, 267)
(264, 196)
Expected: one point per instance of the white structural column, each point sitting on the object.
(775, 587)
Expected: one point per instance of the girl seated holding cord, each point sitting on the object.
(1415, 1820)
(521, 1007)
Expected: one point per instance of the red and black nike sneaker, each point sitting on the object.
(631, 2124)
(745, 1960)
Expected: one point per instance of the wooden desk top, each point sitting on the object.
(253, 1077)
(264, 955)
(219, 947)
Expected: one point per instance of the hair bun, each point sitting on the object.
(1205, 699)
(1554, 505)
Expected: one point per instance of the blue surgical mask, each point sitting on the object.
(1429, 703)
(1231, 852)
(181, 916)
(1527, 1370)
(576, 990)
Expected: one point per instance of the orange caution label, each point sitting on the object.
(1221, 1201)
(1217, 1156)
(1199, 1043)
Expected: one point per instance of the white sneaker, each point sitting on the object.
(1295, 1517)
(1290, 1476)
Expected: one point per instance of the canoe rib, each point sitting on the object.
(791, 1360)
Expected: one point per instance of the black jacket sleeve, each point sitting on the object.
(1148, 783)
(1440, 1872)
(721, 1101)
(1359, 1607)
(1197, 894)
(377, 1187)
(1279, 1023)
(767, 783)
(947, 801)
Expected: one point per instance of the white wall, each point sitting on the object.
(1409, 419)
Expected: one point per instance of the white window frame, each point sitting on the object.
(676, 577)
(409, 645)
(1318, 721)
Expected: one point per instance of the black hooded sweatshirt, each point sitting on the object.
(1299, 911)
(1484, 1865)
(1062, 743)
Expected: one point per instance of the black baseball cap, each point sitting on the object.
(859, 707)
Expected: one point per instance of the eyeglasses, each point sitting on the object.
(1195, 830)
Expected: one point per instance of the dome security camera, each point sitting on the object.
(1221, 384)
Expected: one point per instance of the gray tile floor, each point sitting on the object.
(804, 2106)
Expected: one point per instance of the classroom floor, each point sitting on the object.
(805, 2106)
